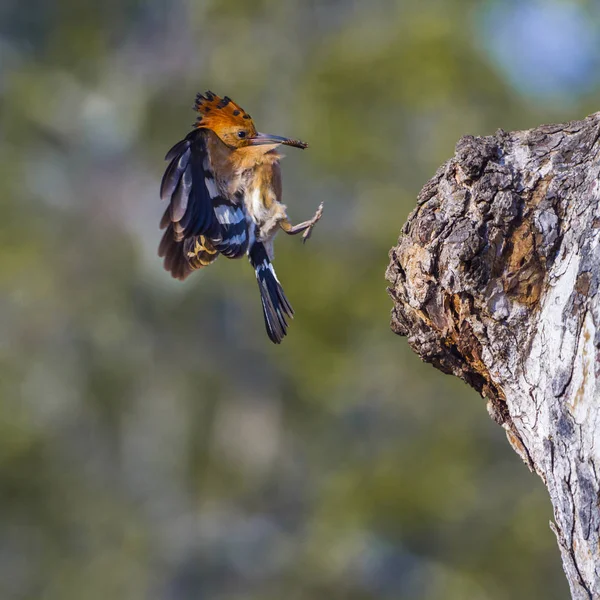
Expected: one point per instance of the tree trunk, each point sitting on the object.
(495, 280)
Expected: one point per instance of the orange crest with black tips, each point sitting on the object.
(220, 114)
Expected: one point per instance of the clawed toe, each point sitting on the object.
(313, 222)
(318, 214)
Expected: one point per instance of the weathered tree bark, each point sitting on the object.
(495, 280)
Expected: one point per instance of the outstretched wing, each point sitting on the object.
(184, 185)
(189, 219)
(200, 223)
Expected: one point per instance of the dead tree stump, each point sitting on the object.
(495, 280)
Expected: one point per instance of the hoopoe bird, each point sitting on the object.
(223, 184)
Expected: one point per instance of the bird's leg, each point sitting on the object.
(305, 226)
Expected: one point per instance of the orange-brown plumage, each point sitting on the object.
(226, 118)
(234, 125)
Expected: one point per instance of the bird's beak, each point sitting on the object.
(262, 139)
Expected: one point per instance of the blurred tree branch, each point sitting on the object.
(495, 280)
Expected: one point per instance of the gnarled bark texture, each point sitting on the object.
(495, 280)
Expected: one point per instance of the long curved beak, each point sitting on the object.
(261, 139)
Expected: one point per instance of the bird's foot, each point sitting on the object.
(313, 222)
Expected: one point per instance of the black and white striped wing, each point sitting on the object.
(184, 184)
(189, 219)
(197, 215)
(232, 239)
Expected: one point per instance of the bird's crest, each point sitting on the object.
(217, 113)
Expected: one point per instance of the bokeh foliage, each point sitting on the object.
(153, 444)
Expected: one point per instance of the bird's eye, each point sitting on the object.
(241, 134)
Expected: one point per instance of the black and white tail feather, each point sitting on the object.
(274, 303)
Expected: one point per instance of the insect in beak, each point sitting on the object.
(261, 139)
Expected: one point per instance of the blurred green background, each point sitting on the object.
(153, 443)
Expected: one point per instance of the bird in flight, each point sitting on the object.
(223, 184)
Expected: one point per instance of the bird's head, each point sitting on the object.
(233, 125)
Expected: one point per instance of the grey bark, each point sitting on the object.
(495, 280)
